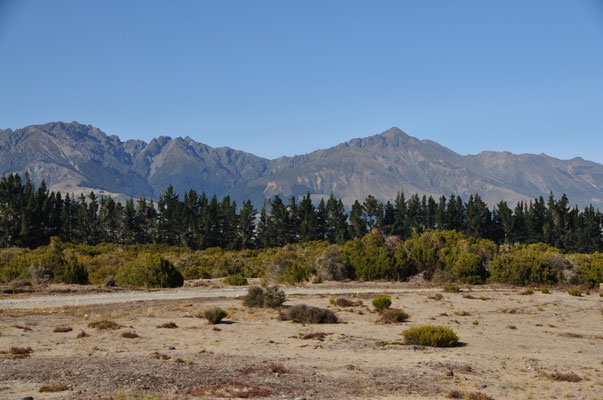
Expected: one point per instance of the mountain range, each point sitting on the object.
(76, 158)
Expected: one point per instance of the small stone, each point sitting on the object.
(450, 373)
(484, 386)
(300, 398)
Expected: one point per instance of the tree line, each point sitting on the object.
(30, 216)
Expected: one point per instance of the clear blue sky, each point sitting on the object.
(282, 77)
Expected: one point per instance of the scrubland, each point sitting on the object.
(513, 343)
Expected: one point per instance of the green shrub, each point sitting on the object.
(575, 292)
(434, 336)
(235, 280)
(382, 302)
(370, 260)
(469, 268)
(151, 270)
(392, 316)
(476, 322)
(589, 267)
(74, 272)
(545, 291)
(309, 315)
(451, 288)
(214, 315)
(524, 266)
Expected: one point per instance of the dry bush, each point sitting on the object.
(320, 336)
(82, 334)
(271, 297)
(392, 316)
(129, 335)
(309, 315)
(457, 394)
(160, 356)
(168, 325)
(62, 329)
(511, 327)
(277, 368)
(565, 377)
(22, 327)
(20, 352)
(60, 387)
(214, 315)
(527, 292)
(343, 302)
(468, 296)
(462, 313)
(104, 324)
(436, 296)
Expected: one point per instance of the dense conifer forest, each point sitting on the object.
(30, 215)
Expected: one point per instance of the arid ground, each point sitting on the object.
(513, 346)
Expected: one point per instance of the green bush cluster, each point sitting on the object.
(526, 265)
(434, 336)
(382, 302)
(443, 256)
(152, 271)
(235, 280)
(574, 292)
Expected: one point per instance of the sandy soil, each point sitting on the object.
(511, 353)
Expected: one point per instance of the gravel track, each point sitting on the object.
(72, 300)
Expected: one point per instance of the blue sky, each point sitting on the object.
(282, 78)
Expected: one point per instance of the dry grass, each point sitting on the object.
(230, 390)
(62, 329)
(572, 335)
(168, 325)
(82, 334)
(104, 324)
(60, 387)
(130, 335)
(457, 394)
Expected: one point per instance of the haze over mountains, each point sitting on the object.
(75, 158)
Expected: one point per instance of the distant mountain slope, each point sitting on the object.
(74, 157)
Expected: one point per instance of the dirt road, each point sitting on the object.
(67, 300)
